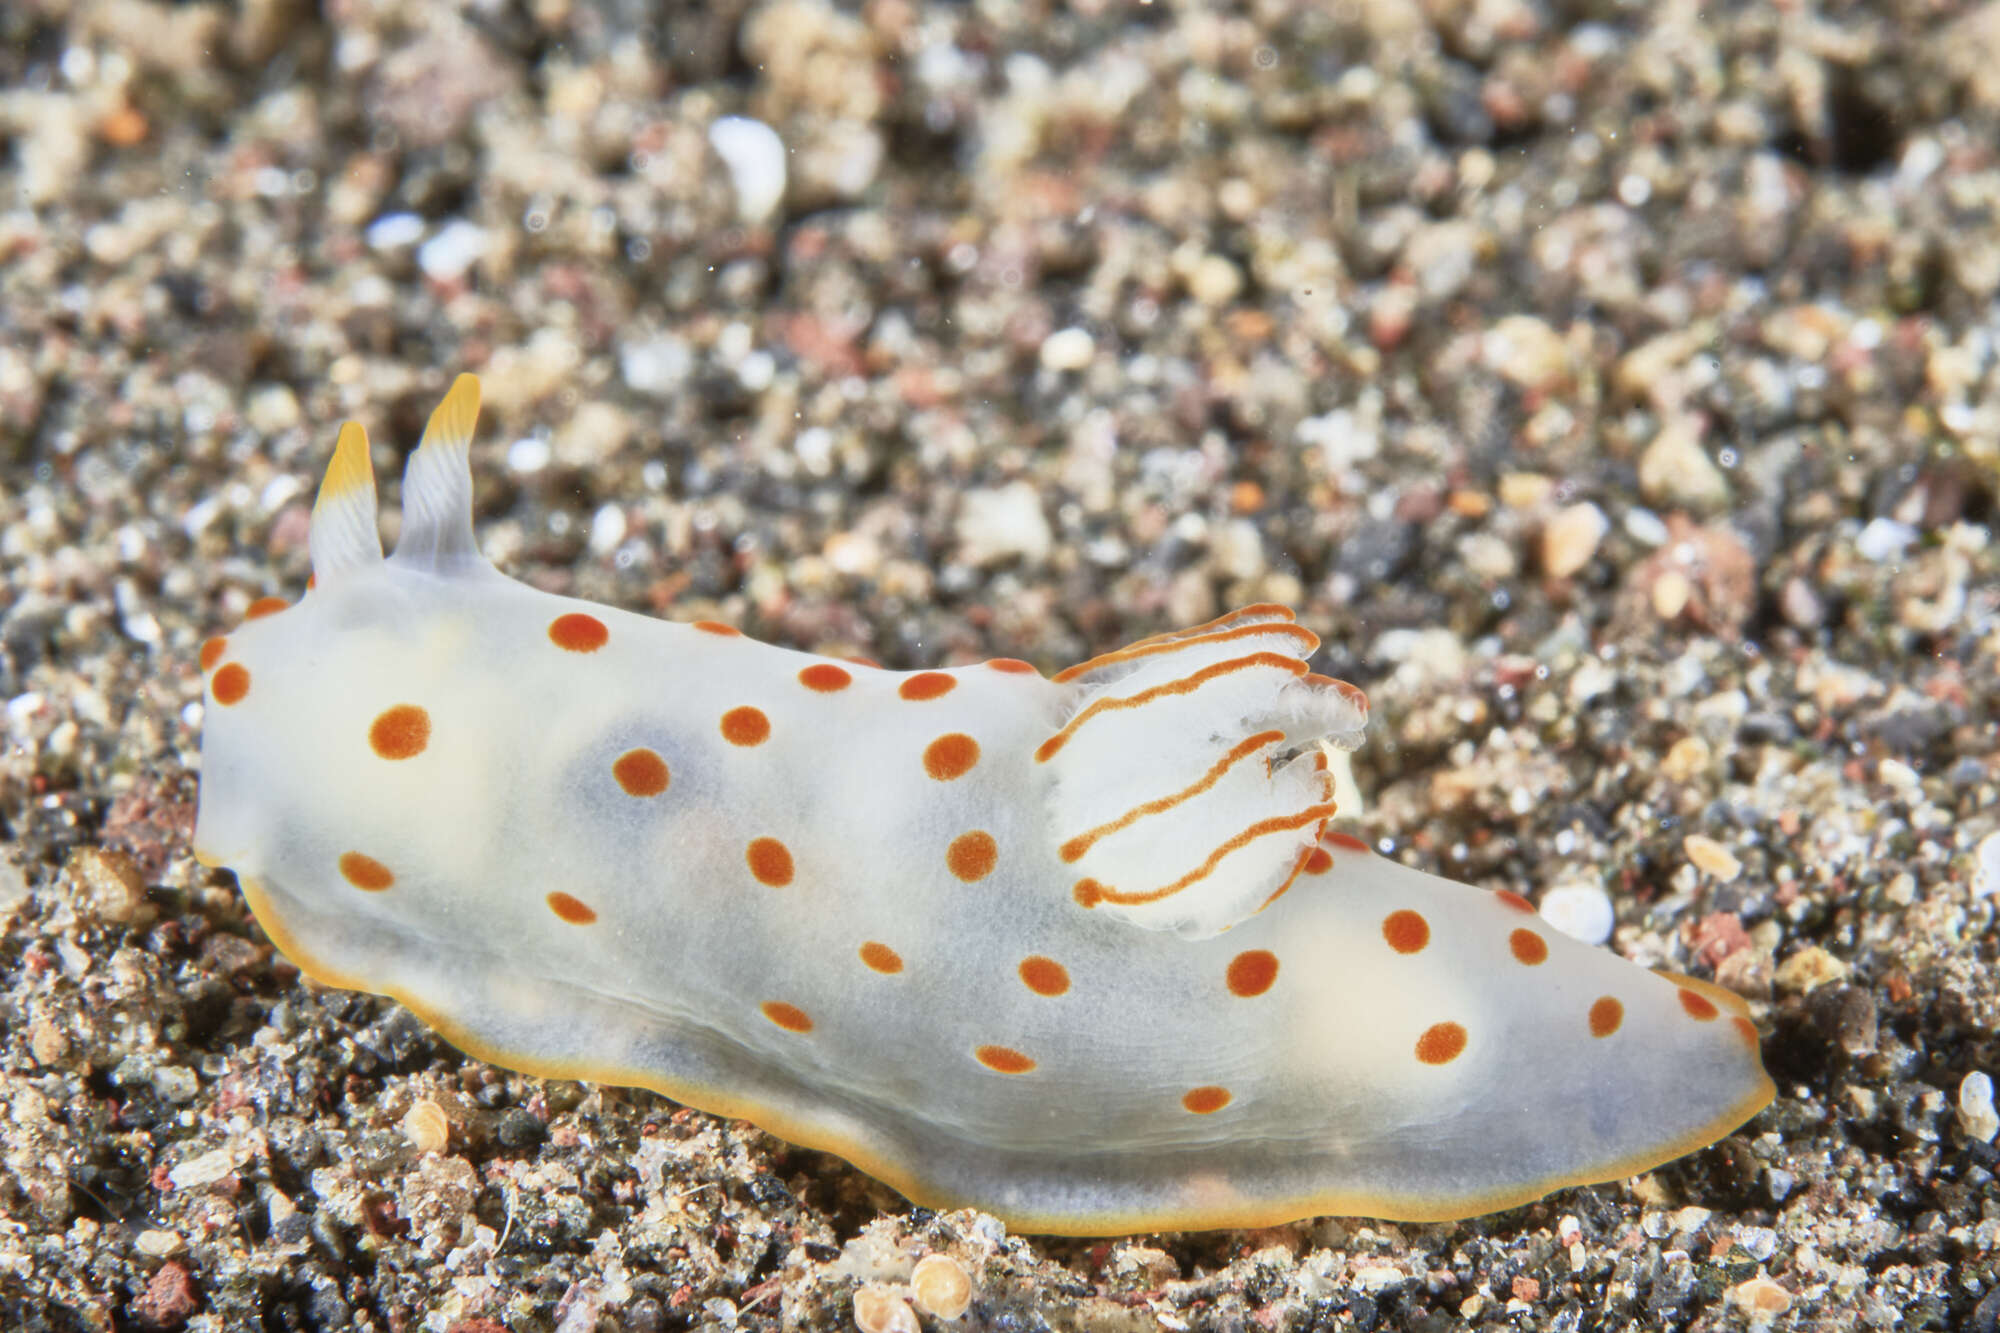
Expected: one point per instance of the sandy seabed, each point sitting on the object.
(1614, 386)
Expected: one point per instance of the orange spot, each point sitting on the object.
(1318, 861)
(787, 1016)
(863, 661)
(1012, 665)
(1528, 947)
(573, 910)
(881, 957)
(718, 628)
(231, 684)
(927, 685)
(1746, 1030)
(1088, 893)
(1044, 976)
(266, 606)
(1605, 1016)
(1252, 972)
(1205, 1101)
(1699, 1007)
(1509, 898)
(212, 651)
(578, 633)
(1441, 1043)
(365, 872)
(770, 861)
(312, 581)
(1003, 1059)
(401, 732)
(825, 677)
(951, 755)
(640, 772)
(123, 127)
(1406, 931)
(1347, 842)
(746, 726)
(972, 855)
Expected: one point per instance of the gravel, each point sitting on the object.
(1614, 386)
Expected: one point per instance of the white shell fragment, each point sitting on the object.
(755, 158)
(1976, 1115)
(1083, 951)
(1581, 911)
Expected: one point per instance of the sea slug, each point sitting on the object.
(1080, 950)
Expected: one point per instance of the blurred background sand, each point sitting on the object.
(1613, 385)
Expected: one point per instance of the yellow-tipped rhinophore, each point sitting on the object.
(451, 425)
(350, 468)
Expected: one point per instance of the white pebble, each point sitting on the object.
(1581, 911)
(273, 408)
(755, 156)
(607, 529)
(1986, 867)
(1975, 1107)
(756, 370)
(1344, 436)
(658, 367)
(1377, 1278)
(1643, 525)
(1068, 349)
(1884, 539)
(1215, 281)
(393, 231)
(203, 1170)
(157, 1244)
(528, 454)
(1760, 1243)
(1570, 538)
(446, 256)
(814, 448)
(1007, 521)
(176, 1083)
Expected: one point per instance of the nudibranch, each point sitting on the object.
(1080, 950)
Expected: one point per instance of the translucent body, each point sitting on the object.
(1078, 951)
